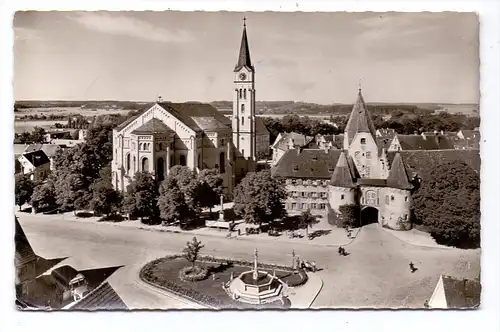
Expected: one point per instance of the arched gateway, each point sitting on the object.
(369, 215)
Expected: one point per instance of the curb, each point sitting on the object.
(315, 296)
(164, 291)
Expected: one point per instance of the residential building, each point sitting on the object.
(287, 141)
(36, 164)
(196, 135)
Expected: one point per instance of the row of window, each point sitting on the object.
(307, 182)
(306, 206)
(308, 194)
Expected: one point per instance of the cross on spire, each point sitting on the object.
(359, 85)
(244, 21)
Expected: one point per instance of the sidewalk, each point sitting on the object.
(333, 236)
(302, 297)
(416, 238)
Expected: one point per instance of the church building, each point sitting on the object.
(165, 134)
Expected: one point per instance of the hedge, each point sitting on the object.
(146, 275)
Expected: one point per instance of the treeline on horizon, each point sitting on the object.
(263, 107)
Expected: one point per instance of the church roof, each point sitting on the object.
(260, 127)
(398, 178)
(188, 112)
(152, 126)
(307, 163)
(24, 251)
(244, 56)
(342, 175)
(192, 114)
(360, 120)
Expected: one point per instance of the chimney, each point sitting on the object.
(291, 143)
(423, 136)
(298, 150)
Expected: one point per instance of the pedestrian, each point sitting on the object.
(412, 267)
(239, 232)
(340, 250)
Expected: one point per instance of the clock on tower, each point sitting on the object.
(243, 76)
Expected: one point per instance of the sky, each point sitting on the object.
(190, 56)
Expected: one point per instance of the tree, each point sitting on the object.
(141, 198)
(448, 203)
(23, 189)
(172, 203)
(44, 195)
(210, 188)
(188, 184)
(38, 135)
(105, 199)
(192, 250)
(349, 216)
(260, 198)
(307, 220)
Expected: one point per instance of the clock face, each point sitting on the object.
(243, 76)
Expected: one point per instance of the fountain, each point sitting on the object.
(256, 287)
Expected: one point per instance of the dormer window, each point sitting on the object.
(363, 141)
(295, 168)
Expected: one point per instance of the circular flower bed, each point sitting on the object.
(189, 273)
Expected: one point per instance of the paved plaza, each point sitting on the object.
(348, 281)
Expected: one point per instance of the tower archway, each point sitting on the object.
(369, 215)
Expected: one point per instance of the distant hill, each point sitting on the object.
(269, 107)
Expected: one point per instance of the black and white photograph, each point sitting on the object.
(225, 160)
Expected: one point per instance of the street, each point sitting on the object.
(374, 274)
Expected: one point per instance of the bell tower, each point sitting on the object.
(244, 102)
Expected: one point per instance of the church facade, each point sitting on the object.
(195, 135)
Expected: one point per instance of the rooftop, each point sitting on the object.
(103, 297)
(307, 163)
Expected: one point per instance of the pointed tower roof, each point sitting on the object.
(342, 175)
(244, 56)
(398, 177)
(360, 120)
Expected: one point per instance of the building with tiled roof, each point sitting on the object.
(287, 141)
(36, 164)
(421, 142)
(25, 259)
(376, 170)
(103, 297)
(165, 134)
(453, 293)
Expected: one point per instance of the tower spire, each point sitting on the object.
(244, 56)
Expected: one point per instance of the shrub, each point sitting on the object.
(189, 273)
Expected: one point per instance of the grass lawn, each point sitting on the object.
(165, 272)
